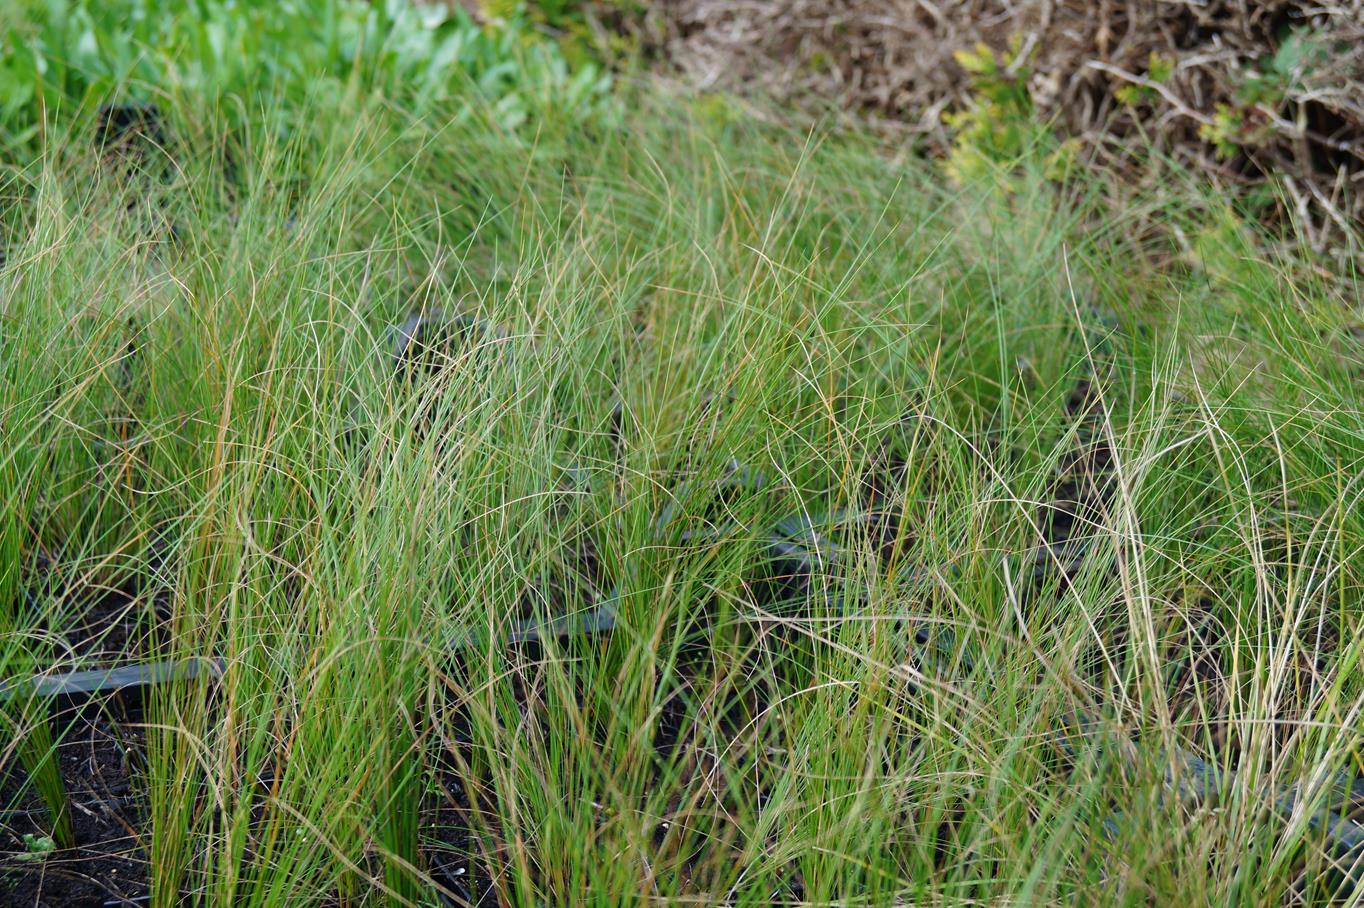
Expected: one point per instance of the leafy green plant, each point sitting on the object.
(38, 847)
(1286, 70)
(1159, 70)
(239, 57)
(999, 129)
(1250, 119)
(1226, 132)
(569, 21)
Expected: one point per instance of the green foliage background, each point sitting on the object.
(226, 57)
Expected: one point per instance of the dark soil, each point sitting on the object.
(453, 856)
(99, 753)
(97, 623)
(114, 626)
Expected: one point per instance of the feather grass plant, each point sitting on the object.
(676, 296)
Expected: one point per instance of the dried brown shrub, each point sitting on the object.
(1234, 100)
